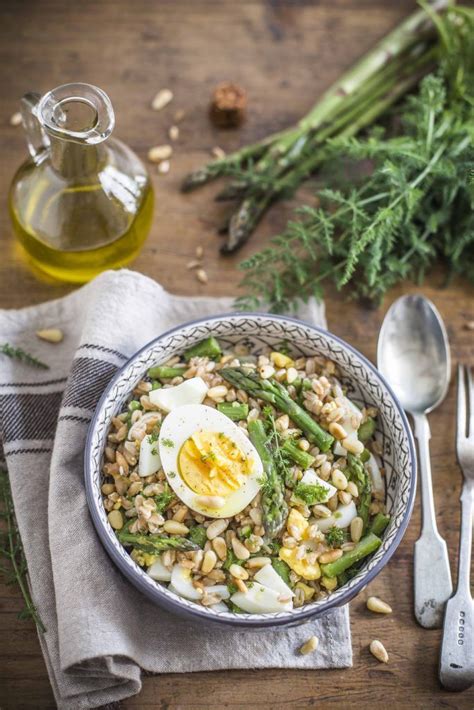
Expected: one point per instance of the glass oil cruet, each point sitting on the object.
(83, 201)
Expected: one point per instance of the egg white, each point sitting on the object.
(178, 426)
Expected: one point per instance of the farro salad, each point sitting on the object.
(245, 483)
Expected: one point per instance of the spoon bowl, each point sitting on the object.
(413, 354)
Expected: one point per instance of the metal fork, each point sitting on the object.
(456, 669)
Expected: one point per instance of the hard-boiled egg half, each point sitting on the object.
(208, 460)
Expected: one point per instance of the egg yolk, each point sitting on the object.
(212, 464)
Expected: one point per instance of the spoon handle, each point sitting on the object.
(456, 668)
(432, 575)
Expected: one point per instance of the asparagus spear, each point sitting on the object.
(206, 348)
(361, 478)
(364, 547)
(156, 543)
(291, 449)
(275, 509)
(273, 392)
(268, 168)
(379, 523)
(366, 430)
(234, 410)
(165, 373)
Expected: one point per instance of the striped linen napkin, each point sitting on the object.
(101, 633)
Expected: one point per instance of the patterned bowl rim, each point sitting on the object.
(160, 595)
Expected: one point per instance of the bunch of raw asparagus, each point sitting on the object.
(265, 171)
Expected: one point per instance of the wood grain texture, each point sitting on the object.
(284, 52)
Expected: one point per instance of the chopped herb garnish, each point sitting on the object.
(335, 536)
(311, 493)
(168, 443)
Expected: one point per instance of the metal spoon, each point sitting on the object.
(413, 355)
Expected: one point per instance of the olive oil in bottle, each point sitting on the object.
(83, 201)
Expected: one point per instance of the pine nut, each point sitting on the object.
(162, 99)
(378, 606)
(116, 519)
(15, 119)
(257, 562)
(218, 153)
(337, 431)
(310, 646)
(238, 572)
(352, 489)
(135, 488)
(321, 511)
(241, 586)
(240, 550)
(164, 167)
(339, 480)
(202, 276)
(174, 528)
(378, 650)
(330, 556)
(216, 528)
(266, 371)
(283, 422)
(256, 515)
(159, 153)
(291, 375)
(180, 514)
(220, 547)
(353, 445)
(107, 489)
(304, 444)
(173, 133)
(209, 562)
(51, 335)
(218, 392)
(325, 470)
(357, 525)
(344, 497)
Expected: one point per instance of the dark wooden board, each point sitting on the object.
(284, 52)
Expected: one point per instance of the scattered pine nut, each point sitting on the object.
(164, 167)
(173, 133)
(310, 646)
(218, 153)
(15, 119)
(193, 264)
(51, 335)
(469, 325)
(159, 153)
(162, 99)
(199, 252)
(378, 650)
(201, 276)
(179, 115)
(378, 606)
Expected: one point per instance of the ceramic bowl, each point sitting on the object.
(365, 387)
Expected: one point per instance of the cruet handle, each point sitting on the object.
(36, 138)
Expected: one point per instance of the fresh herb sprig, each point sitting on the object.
(416, 206)
(13, 564)
(22, 355)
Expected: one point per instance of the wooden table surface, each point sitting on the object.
(284, 52)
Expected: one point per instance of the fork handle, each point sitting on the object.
(432, 576)
(456, 668)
